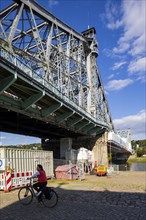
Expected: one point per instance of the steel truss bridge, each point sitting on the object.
(50, 85)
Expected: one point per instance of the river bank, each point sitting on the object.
(137, 160)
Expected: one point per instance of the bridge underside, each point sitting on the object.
(49, 72)
(14, 122)
(30, 108)
(116, 148)
(119, 154)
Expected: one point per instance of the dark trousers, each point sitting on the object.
(39, 186)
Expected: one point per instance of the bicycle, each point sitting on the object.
(48, 197)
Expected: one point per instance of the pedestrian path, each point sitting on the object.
(77, 205)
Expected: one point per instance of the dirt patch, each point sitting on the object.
(121, 182)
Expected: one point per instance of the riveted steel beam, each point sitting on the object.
(51, 109)
(74, 121)
(32, 100)
(29, 31)
(14, 104)
(80, 126)
(95, 130)
(10, 101)
(7, 82)
(64, 116)
(15, 24)
(51, 18)
(88, 128)
(9, 9)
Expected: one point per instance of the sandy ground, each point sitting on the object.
(122, 182)
(117, 196)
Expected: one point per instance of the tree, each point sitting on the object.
(139, 152)
(140, 143)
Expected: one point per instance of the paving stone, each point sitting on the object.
(77, 202)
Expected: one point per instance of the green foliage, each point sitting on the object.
(139, 146)
(137, 160)
(141, 143)
(139, 152)
(25, 146)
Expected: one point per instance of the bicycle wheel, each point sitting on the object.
(52, 199)
(25, 195)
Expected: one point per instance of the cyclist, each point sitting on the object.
(42, 179)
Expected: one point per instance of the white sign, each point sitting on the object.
(36, 158)
(2, 164)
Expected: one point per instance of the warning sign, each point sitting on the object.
(2, 164)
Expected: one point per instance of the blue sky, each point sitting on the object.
(120, 31)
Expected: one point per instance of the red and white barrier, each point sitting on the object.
(2, 181)
(10, 180)
(20, 179)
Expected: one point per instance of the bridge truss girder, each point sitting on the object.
(58, 56)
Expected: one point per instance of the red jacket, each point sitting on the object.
(42, 177)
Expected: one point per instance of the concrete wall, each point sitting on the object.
(65, 145)
(52, 145)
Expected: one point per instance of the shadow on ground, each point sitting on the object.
(77, 205)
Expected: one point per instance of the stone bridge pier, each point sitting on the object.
(98, 145)
(100, 150)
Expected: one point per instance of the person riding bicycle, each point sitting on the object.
(42, 179)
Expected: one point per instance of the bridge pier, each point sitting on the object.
(100, 150)
(52, 145)
(58, 146)
(97, 145)
(65, 145)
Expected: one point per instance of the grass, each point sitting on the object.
(137, 160)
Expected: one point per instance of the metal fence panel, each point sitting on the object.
(22, 160)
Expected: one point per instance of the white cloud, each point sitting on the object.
(114, 25)
(118, 84)
(130, 18)
(123, 47)
(138, 46)
(133, 21)
(15, 139)
(2, 137)
(118, 65)
(111, 16)
(52, 3)
(138, 65)
(111, 76)
(137, 124)
(1, 140)
(111, 54)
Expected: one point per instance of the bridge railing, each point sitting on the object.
(16, 61)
